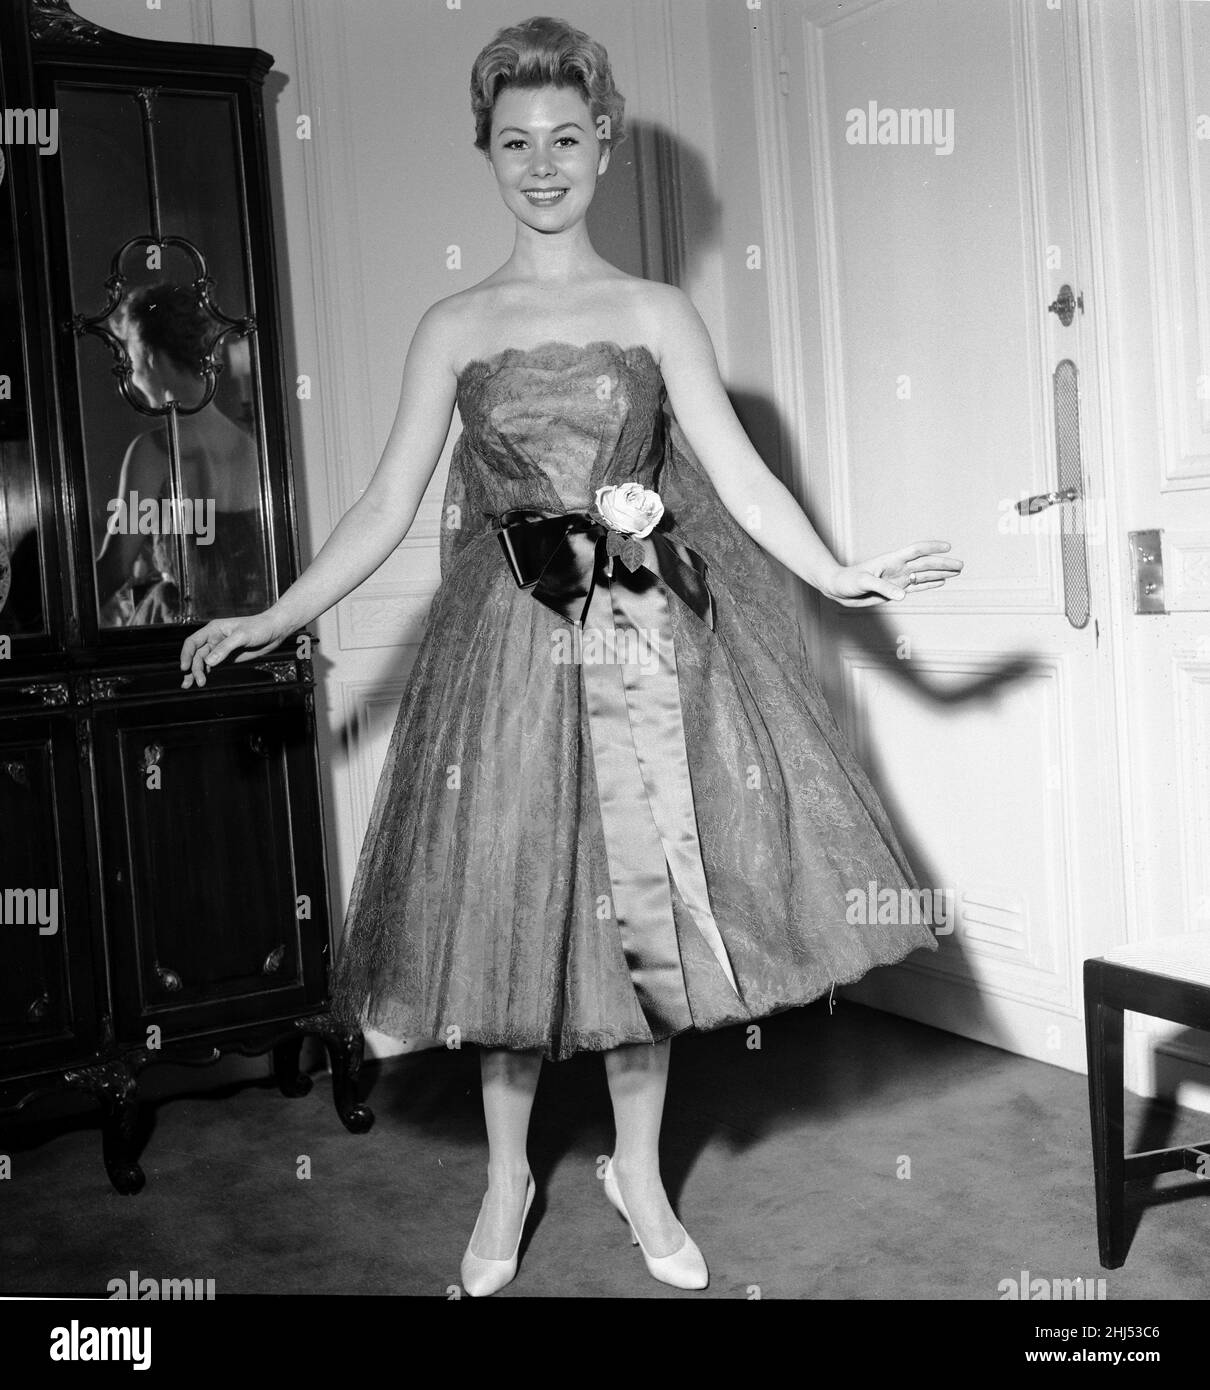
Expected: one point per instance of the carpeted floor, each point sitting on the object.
(784, 1164)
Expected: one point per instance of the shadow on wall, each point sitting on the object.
(653, 192)
(663, 220)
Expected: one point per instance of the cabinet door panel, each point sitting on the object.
(46, 1007)
(167, 358)
(29, 599)
(213, 861)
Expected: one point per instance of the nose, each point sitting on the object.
(541, 162)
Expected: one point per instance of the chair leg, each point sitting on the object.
(1104, 1028)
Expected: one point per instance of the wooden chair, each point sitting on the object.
(1170, 979)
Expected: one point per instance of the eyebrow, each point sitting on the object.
(574, 125)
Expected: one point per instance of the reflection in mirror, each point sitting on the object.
(21, 599)
(166, 353)
(177, 547)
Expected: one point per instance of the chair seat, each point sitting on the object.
(1185, 957)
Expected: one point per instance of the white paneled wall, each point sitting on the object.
(735, 188)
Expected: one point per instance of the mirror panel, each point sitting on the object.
(166, 354)
(22, 563)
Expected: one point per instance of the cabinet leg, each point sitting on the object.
(1104, 1027)
(345, 1047)
(290, 1080)
(114, 1086)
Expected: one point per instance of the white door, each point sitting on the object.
(927, 251)
(1154, 107)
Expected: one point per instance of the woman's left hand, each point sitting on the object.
(892, 575)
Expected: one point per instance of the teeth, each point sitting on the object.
(545, 196)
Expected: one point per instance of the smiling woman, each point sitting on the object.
(593, 844)
(547, 115)
(545, 153)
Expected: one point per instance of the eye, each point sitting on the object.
(571, 139)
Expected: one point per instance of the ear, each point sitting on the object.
(604, 160)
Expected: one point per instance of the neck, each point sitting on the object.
(552, 258)
(176, 386)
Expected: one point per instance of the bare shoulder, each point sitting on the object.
(440, 332)
(453, 329)
(675, 330)
(146, 458)
(235, 439)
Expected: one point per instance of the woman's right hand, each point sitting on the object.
(213, 643)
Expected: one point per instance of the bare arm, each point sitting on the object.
(142, 473)
(754, 496)
(372, 527)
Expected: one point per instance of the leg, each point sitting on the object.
(1104, 1026)
(637, 1079)
(290, 1080)
(120, 1111)
(115, 1087)
(509, 1082)
(345, 1047)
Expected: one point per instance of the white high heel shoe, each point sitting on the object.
(480, 1276)
(685, 1268)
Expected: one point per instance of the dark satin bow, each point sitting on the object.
(563, 558)
(640, 760)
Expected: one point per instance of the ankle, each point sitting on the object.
(636, 1168)
(509, 1175)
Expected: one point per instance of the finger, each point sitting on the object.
(199, 666)
(191, 650)
(900, 559)
(936, 565)
(886, 587)
(206, 639)
(919, 549)
(188, 647)
(932, 572)
(223, 649)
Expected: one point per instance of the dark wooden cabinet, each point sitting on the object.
(48, 967)
(163, 894)
(207, 909)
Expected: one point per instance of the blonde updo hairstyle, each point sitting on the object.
(543, 52)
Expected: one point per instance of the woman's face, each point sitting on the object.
(545, 155)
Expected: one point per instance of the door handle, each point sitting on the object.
(1041, 500)
(1068, 449)
(1066, 304)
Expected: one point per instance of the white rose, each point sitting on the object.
(629, 508)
